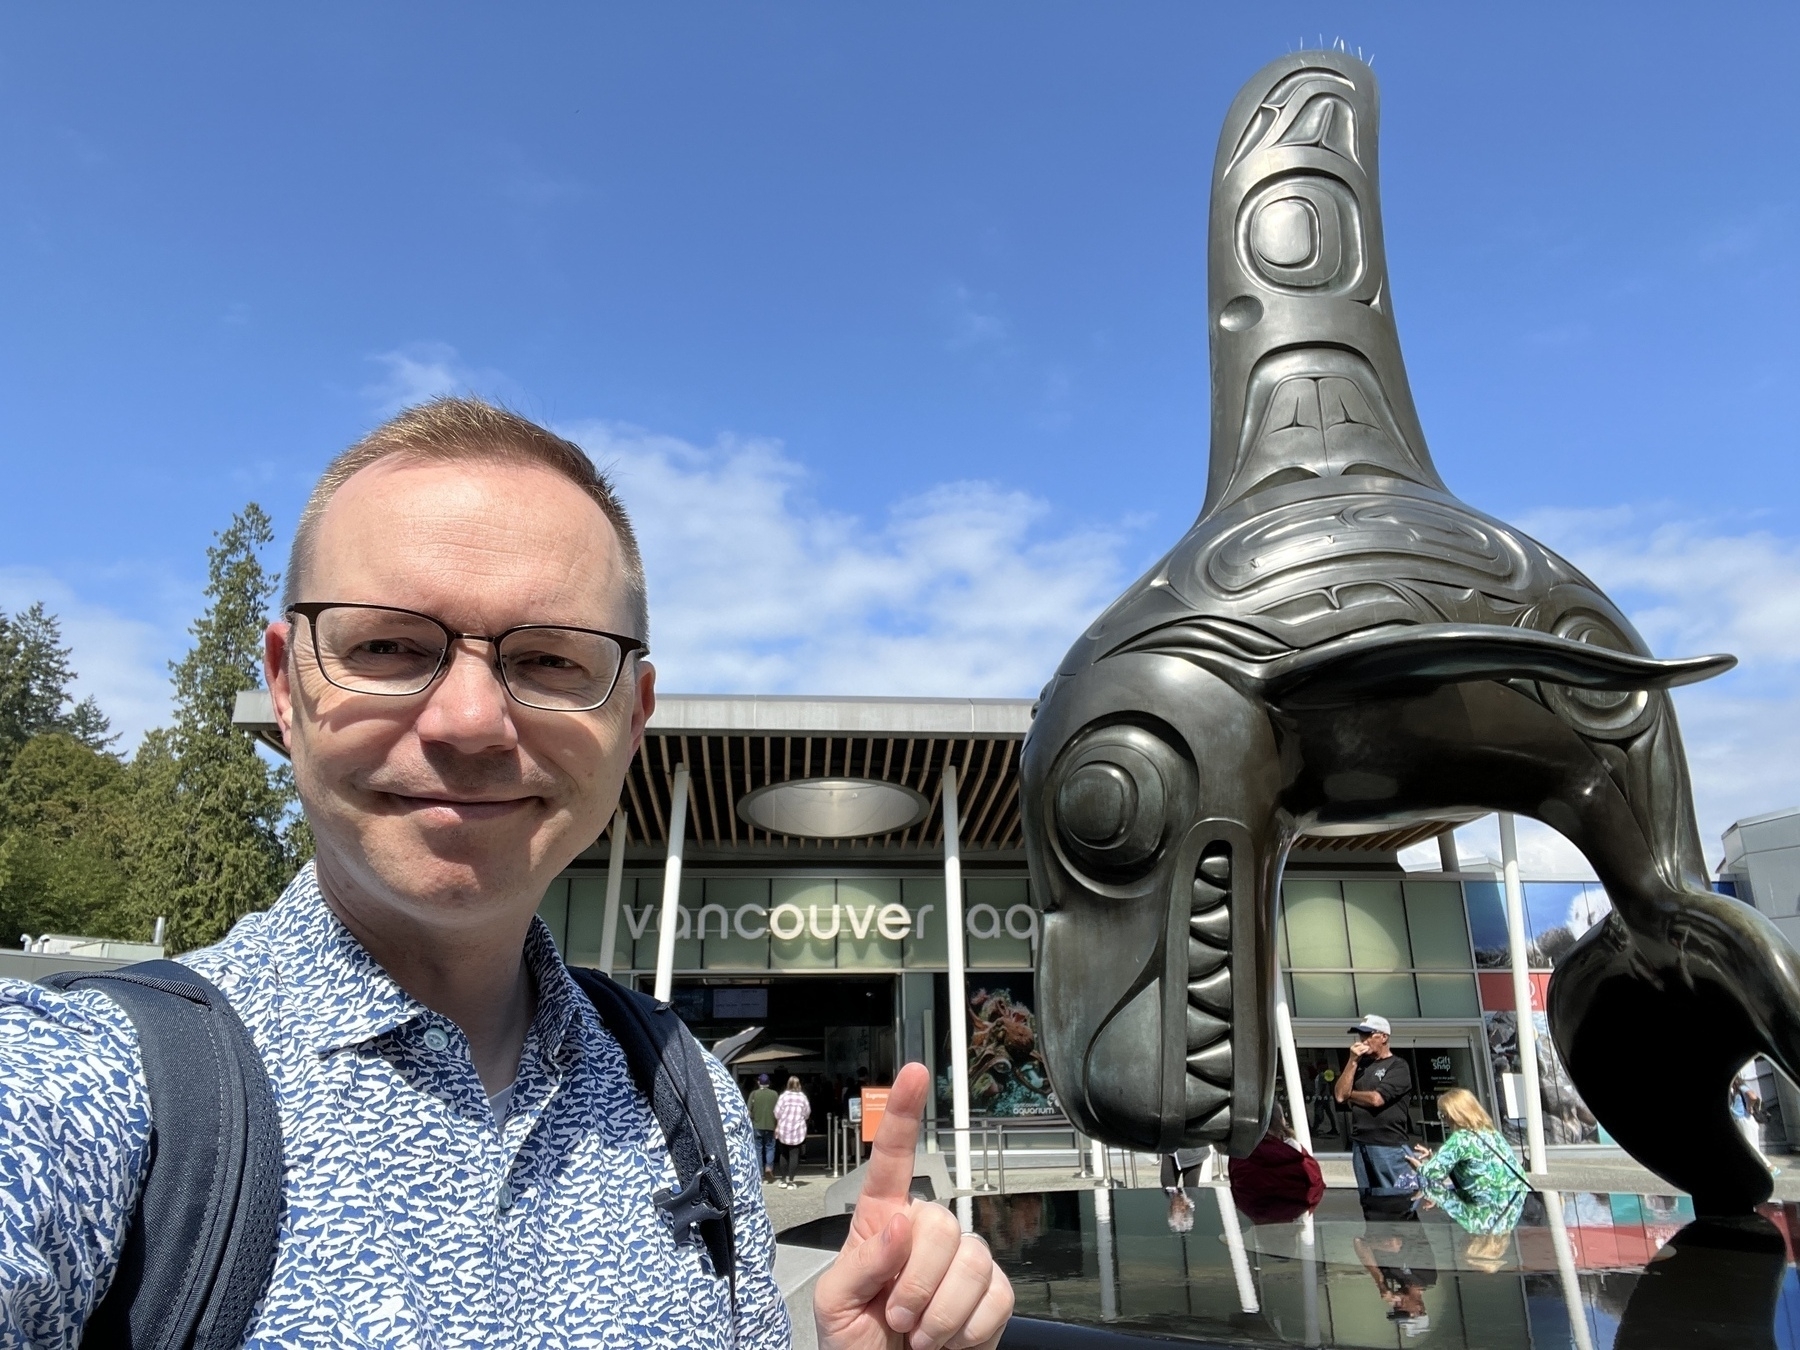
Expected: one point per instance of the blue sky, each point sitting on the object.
(891, 318)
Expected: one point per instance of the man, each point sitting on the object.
(459, 677)
(762, 1120)
(1401, 1263)
(1375, 1083)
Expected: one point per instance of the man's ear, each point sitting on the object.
(278, 640)
(644, 704)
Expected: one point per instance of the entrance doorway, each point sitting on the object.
(829, 1031)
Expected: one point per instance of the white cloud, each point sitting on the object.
(1543, 853)
(966, 589)
(420, 371)
(120, 659)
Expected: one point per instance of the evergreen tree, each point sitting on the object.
(65, 809)
(218, 818)
(34, 686)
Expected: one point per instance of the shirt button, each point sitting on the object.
(436, 1038)
(506, 1198)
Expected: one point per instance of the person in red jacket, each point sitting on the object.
(1279, 1181)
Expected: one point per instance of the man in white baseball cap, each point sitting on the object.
(1375, 1084)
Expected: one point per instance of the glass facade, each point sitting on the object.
(1392, 946)
(1556, 913)
(737, 924)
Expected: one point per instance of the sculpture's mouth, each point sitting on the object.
(1152, 944)
(1161, 1070)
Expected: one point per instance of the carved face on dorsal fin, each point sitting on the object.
(1307, 378)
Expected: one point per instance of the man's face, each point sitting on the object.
(457, 804)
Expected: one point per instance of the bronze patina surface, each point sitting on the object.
(1340, 641)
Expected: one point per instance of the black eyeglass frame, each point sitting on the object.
(311, 609)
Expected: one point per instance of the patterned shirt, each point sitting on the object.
(412, 1217)
(791, 1112)
(1475, 1179)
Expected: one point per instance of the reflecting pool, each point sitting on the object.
(1581, 1270)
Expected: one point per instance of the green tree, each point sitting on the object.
(64, 813)
(34, 686)
(217, 837)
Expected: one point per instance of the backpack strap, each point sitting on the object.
(669, 1068)
(201, 1245)
(1505, 1155)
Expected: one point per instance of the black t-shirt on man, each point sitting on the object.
(1387, 1124)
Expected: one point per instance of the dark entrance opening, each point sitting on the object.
(832, 1032)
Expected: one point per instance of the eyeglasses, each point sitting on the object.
(374, 649)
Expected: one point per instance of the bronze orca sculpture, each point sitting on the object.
(1339, 640)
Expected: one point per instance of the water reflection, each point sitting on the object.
(1582, 1271)
(1278, 1181)
(1401, 1264)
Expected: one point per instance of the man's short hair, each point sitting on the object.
(447, 430)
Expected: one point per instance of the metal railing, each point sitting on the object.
(997, 1137)
(994, 1136)
(843, 1144)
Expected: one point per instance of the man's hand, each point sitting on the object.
(908, 1274)
(1358, 1049)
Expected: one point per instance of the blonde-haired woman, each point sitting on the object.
(1473, 1177)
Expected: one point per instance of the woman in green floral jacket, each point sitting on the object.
(1474, 1177)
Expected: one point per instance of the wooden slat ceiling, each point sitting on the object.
(723, 768)
(1388, 841)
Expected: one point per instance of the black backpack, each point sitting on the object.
(201, 1245)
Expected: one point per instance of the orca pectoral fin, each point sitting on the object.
(1653, 1059)
(1411, 657)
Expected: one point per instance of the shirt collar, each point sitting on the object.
(560, 1000)
(340, 996)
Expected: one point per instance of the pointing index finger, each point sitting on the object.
(888, 1184)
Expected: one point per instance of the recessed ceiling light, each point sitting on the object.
(833, 808)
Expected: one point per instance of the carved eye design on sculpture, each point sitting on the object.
(1118, 793)
(1302, 234)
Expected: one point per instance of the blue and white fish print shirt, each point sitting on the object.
(411, 1218)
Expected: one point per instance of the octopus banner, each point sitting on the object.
(1007, 1076)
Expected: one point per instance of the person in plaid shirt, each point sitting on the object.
(791, 1113)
